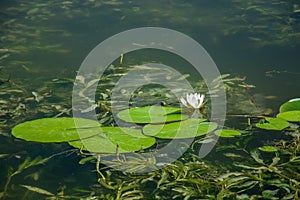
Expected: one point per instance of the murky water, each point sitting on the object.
(46, 41)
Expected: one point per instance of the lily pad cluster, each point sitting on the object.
(289, 112)
(168, 123)
(85, 134)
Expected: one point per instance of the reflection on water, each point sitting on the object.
(44, 43)
(243, 37)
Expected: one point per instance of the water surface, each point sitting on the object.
(45, 41)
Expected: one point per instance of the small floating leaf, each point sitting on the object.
(151, 114)
(291, 116)
(273, 124)
(227, 133)
(268, 149)
(55, 129)
(185, 129)
(293, 104)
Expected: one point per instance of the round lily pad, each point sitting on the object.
(227, 133)
(185, 129)
(128, 139)
(291, 116)
(55, 129)
(293, 104)
(268, 149)
(98, 143)
(115, 139)
(151, 114)
(273, 124)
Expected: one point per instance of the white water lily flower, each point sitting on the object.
(193, 100)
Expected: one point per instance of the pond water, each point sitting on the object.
(43, 44)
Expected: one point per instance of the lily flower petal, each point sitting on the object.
(183, 101)
(193, 100)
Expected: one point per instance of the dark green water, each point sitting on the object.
(244, 38)
(47, 40)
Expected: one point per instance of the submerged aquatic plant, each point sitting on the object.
(253, 174)
(27, 163)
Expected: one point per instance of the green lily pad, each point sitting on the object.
(291, 116)
(151, 114)
(55, 129)
(273, 124)
(185, 129)
(115, 139)
(227, 133)
(128, 139)
(98, 143)
(293, 104)
(268, 149)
